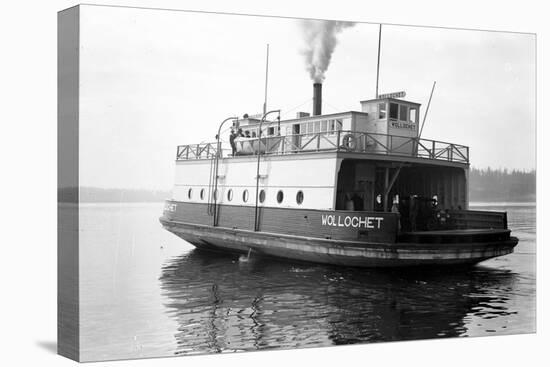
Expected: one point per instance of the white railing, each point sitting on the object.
(340, 141)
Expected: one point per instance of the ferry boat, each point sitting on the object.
(357, 188)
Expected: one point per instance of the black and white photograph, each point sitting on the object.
(238, 183)
(273, 183)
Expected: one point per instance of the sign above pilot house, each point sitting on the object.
(401, 94)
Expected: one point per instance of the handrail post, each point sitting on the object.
(258, 165)
(216, 164)
(318, 141)
(338, 140)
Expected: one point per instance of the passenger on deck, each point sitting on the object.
(357, 202)
(378, 206)
(349, 203)
(247, 134)
(232, 136)
(413, 211)
(240, 133)
(395, 209)
(434, 202)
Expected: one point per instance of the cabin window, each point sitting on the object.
(324, 126)
(280, 196)
(202, 194)
(190, 193)
(394, 110)
(229, 195)
(270, 131)
(310, 127)
(245, 196)
(317, 127)
(262, 196)
(381, 110)
(413, 111)
(334, 125)
(403, 113)
(300, 197)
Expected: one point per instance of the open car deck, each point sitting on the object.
(472, 235)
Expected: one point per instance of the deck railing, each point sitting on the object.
(339, 141)
(196, 151)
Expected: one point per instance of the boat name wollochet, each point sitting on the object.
(349, 221)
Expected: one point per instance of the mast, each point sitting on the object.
(427, 109)
(378, 63)
(266, 73)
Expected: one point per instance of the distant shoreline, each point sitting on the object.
(98, 195)
(503, 203)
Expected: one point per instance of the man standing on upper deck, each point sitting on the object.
(232, 137)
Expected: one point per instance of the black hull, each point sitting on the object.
(338, 252)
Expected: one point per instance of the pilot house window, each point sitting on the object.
(381, 110)
(403, 113)
(412, 114)
(394, 110)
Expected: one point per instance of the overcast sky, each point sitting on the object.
(153, 79)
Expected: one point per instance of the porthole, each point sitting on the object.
(245, 196)
(215, 195)
(300, 197)
(202, 194)
(229, 195)
(190, 193)
(280, 196)
(262, 196)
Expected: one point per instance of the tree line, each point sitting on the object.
(100, 195)
(486, 184)
(490, 184)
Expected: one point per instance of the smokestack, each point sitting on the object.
(317, 98)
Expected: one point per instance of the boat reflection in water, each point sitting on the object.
(222, 304)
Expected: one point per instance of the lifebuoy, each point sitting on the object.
(349, 142)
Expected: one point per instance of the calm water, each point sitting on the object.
(145, 292)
